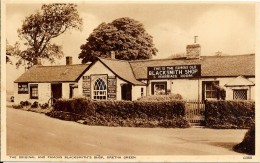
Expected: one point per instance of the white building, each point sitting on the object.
(193, 77)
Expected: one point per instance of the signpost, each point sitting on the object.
(174, 72)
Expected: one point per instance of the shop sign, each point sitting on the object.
(174, 72)
(23, 88)
(86, 86)
(111, 88)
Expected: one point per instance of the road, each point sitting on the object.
(31, 133)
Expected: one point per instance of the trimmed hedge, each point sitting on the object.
(230, 114)
(122, 113)
(248, 144)
(170, 97)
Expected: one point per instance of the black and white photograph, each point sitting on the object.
(129, 81)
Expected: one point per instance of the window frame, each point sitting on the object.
(204, 89)
(33, 86)
(153, 84)
(246, 90)
(99, 94)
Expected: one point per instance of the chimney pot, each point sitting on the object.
(112, 55)
(38, 61)
(68, 60)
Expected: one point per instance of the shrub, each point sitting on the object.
(25, 103)
(44, 106)
(35, 104)
(248, 144)
(169, 97)
(17, 106)
(229, 114)
(125, 113)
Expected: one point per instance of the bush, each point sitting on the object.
(230, 114)
(44, 106)
(17, 106)
(125, 113)
(170, 97)
(25, 103)
(35, 104)
(248, 144)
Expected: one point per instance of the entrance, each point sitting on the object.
(56, 92)
(126, 92)
(195, 112)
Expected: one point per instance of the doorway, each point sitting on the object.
(126, 92)
(56, 90)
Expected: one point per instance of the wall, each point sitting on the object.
(188, 88)
(44, 93)
(99, 68)
(136, 92)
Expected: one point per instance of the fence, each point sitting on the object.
(195, 112)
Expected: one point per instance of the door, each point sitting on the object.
(56, 90)
(126, 92)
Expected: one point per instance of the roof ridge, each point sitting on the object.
(62, 65)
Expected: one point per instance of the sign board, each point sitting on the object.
(86, 86)
(174, 72)
(23, 88)
(111, 88)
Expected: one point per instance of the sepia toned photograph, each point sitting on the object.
(129, 81)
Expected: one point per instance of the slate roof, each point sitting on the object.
(240, 81)
(211, 66)
(122, 69)
(63, 73)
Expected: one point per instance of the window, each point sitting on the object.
(240, 94)
(23, 88)
(159, 88)
(209, 89)
(34, 91)
(142, 92)
(100, 90)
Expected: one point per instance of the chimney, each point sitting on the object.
(38, 61)
(193, 51)
(68, 60)
(112, 55)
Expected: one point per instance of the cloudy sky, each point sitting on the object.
(225, 27)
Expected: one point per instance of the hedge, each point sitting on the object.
(248, 144)
(229, 114)
(122, 113)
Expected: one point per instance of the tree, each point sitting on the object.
(40, 28)
(126, 37)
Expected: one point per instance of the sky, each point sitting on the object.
(226, 27)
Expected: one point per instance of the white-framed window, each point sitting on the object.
(240, 94)
(159, 88)
(209, 90)
(100, 90)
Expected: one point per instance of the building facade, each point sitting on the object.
(193, 77)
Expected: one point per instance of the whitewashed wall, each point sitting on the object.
(136, 92)
(99, 68)
(44, 93)
(191, 89)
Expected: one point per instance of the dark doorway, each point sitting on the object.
(56, 90)
(126, 92)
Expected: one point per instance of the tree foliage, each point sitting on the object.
(126, 37)
(40, 28)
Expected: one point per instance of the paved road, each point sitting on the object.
(36, 134)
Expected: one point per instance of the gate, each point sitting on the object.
(195, 112)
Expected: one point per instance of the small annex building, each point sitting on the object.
(192, 76)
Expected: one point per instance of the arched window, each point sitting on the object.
(100, 90)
